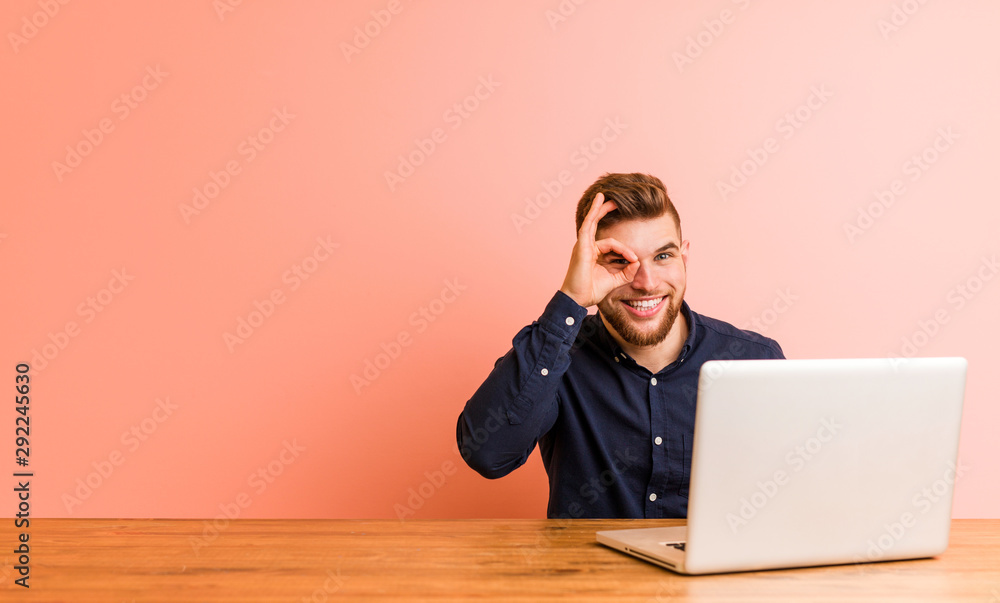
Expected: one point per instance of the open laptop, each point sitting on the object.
(815, 462)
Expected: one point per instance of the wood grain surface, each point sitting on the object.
(108, 560)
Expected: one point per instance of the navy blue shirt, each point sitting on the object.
(615, 438)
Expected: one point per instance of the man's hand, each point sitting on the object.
(588, 282)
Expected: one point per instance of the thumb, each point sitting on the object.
(627, 275)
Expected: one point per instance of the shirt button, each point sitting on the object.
(653, 380)
(570, 321)
(545, 371)
(616, 359)
(652, 497)
(658, 440)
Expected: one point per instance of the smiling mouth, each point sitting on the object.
(644, 305)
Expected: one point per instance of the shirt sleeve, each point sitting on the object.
(517, 403)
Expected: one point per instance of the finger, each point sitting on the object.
(628, 274)
(589, 230)
(609, 245)
(594, 215)
(606, 208)
(598, 199)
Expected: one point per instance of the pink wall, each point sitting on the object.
(289, 134)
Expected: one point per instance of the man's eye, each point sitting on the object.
(664, 256)
(619, 261)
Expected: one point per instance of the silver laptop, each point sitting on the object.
(815, 462)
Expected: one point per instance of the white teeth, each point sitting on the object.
(644, 304)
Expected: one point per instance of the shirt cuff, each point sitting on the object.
(563, 316)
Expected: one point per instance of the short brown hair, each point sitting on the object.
(638, 197)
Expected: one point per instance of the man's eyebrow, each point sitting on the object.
(668, 246)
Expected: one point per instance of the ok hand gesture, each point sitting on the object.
(588, 281)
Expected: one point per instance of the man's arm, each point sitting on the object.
(516, 405)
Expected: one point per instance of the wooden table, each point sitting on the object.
(506, 560)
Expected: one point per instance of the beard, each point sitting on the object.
(625, 325)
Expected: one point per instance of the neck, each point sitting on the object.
(655, 357)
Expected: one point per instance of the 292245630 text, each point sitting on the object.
(22, 477)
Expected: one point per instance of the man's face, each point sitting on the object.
(643, 311)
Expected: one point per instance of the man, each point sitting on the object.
(609, 398)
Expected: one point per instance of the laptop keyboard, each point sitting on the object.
(677, 545)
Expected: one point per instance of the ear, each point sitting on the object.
(685, 247)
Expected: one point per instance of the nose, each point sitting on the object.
(646, 278)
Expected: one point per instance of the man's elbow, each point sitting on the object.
(484, 460)
(486, 469)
